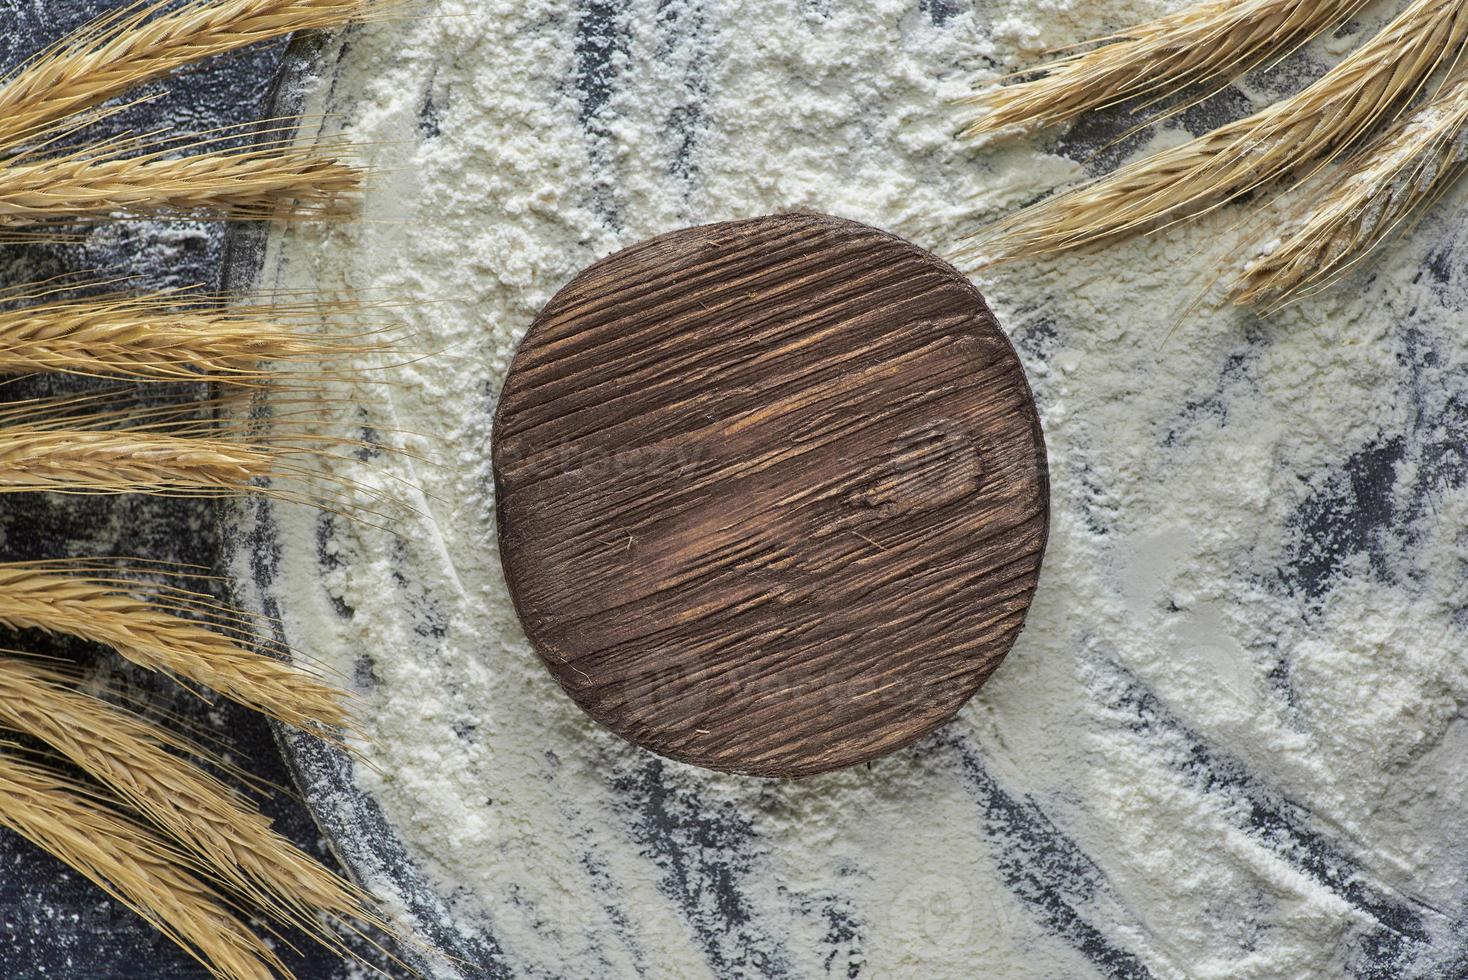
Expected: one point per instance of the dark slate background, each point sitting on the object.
(53, 923)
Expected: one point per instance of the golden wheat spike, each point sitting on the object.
(176, 457)
(266, 184)
(155, 637)
(130, 863)
(154, 338)
(1369, 86)
(1205, 44)
(107, 58)
(204, 816)
(101, 443)
(83, 461)
(1342, 218)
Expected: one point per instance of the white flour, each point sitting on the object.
(1228, 743)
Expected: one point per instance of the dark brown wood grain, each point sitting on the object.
(772, 494)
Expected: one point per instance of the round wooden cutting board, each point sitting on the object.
(772, 494)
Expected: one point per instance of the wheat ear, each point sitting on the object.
(257, 184)
(81, 461)
(1370, 85)
(138, 461)
(145, 626)
(127, 861)
(1342, 218)
(115, 53)
(1205, 44)
(100, 444)
(206, 817)
(156, 337)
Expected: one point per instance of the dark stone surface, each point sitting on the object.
(53, 923)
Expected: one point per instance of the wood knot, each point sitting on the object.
(932, 466)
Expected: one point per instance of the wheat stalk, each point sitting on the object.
(1370, 85)
(156, 338)
(1205, 44)
(99, 443)
(118, 52)
(133, 865)
(78, 461)
(1345, 217)
(153, 635)
(177, 450)
(203, 815)
(256, 184)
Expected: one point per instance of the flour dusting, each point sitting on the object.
(1230, 741)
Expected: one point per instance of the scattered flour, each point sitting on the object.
(1230, 742)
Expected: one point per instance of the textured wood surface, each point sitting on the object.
(772, 494)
